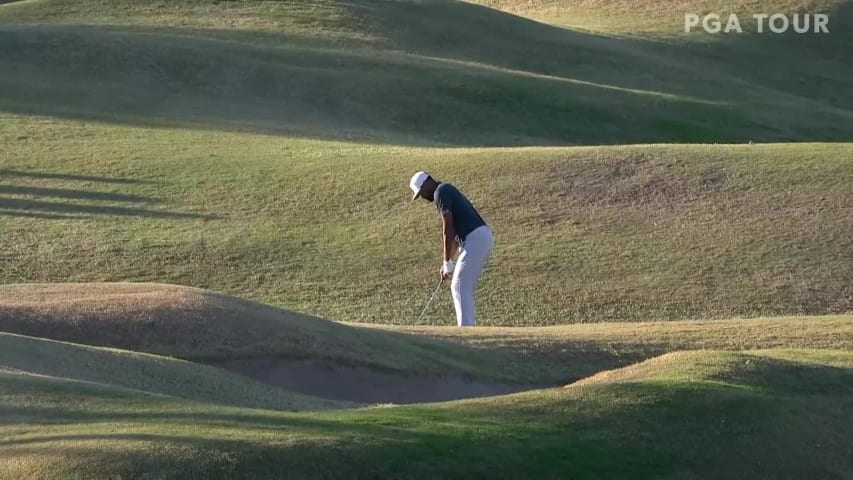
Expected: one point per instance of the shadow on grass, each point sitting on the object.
(5, 172)
(615, 431)
(27, 201)
(72, 194)
(216, 334)
(378, 444)
(14, 204)
(281, 340)
(518, 43)
(528, 363)
(454, 73)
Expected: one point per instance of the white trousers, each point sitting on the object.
(473, 255)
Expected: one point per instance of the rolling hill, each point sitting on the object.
(68, 409)
(179, 178)
(419, 73)
(714, 414)
(203, 326)
(253, 147)
(37, 358)
(583, 234)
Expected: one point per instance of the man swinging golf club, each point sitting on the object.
(462, 226)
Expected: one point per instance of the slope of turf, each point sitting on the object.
(411, 73)
(714, 415)
(769, 371)
(656, 232)
(203, 326)
(261, 148)
(583, 234)
(144, 373)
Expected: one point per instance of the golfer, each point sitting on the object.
(465, 228)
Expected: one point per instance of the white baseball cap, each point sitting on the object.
(417, 182)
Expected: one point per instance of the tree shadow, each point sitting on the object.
(6, 172)
(27, 201)
(42, 216)
(13, 204)
(73, 194)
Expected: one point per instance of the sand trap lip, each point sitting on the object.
(361, 384)
(260, 342)
(296, 352)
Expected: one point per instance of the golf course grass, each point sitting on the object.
(415, 73)
(708, 414)
(204, 327)
(606, 399)
(253, 148)
(142, 373)
(210, 266)
(624, 398)
(326, 228)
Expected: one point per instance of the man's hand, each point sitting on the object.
(446, 270)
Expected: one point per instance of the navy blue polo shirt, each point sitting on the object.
(465, 217)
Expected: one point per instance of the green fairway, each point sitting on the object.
(741, 416)
(774, 404)
(326, 228)
(261, 149)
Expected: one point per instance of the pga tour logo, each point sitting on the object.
(776, 23)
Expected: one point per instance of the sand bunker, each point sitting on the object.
(295, 352)
(361, 384)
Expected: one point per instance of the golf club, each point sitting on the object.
(429, 302)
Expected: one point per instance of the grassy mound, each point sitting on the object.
(583, 234)
(576, 351)
(768, 371)
(204, 326)
(200, 325)
(630, 232)
(261, 148)
(166, 320)
(40, 360)
(733, 416)
(410, 73)
(322, 19)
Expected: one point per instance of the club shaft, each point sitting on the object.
(431, 298)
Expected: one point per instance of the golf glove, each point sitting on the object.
(447, 268)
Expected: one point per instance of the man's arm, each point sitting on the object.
(449, 235)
